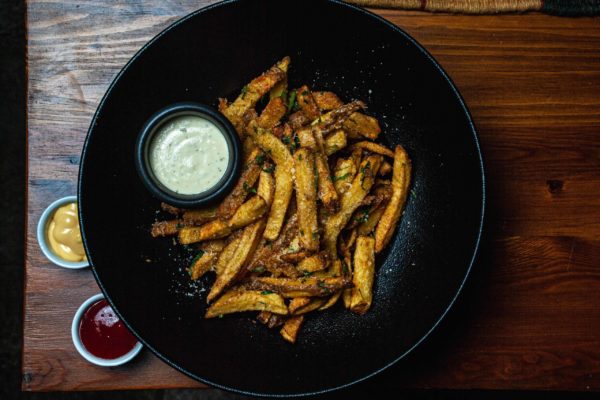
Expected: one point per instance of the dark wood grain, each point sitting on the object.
(532, 82)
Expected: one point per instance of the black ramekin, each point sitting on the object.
(142, 162)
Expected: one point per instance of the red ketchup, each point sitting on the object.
(103, 334)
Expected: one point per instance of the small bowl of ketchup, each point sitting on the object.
(100, 336)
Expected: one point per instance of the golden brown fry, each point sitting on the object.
(326, 190)
(393, 211)
(226, 254)
(364, 271)
(167, 228)
(302, 287)
(335, 119)
(283, 177)
(351, 200)
(306, 138)
(303, 305)
(344, 174)
(298, 120)
(247, 213)
(199, 216)
(270, 319)
(236, 265)
(363, 125)
(374, 148)
(289, 330)
(272, 114)
(244, 185)
(327, 101)
(294, 256)
(252, 92)
(314, 263)
(368, 226)
(335, 141)
(240, 300)
(306, 198)
(307, 103)
(270, 252)
(205, 261)
(266, 187)
(280, 87)
(334, 270)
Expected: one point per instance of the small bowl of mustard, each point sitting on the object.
(188, 155)
(59, 235)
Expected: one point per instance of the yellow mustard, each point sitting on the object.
(64, 234)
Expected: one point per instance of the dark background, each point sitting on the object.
(12, 194)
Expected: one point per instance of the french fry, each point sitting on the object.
(303, 305)
(283, 178)
(335, 141)
(252, 92)
(368, 226)
(344, 174)
(334, 270)
(272, 114)
(266, 187)
(314, 263)
(199, 216)
(244, 185)
(270, 319)
(240, 300)
(374, 148)
(235, 268)
(335, 119)
(291, 327)
(385, 169)
(227, 253)
(363, 125)
(247, 213)
(307, 103)
(280, 87)
(205, 261)
(167, 228)
(306, 198)
(326, 190)
(393, 211)
(327, 101)
(170, 209)
(364, 272)
(351, 200)
(302, 287)
(270, 252)
(297, 120)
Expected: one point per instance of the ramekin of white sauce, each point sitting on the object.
(187, 155)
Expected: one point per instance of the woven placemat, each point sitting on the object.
(556, 7)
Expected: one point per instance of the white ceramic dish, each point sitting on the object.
(43, 238)
(84, 352)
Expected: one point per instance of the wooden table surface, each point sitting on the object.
(530, 317)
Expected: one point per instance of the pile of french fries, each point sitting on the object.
(317, 198)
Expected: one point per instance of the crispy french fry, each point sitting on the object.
(335, 141)
(306, 198)
(199, 216)
(244, 185)
(205, 260)
(302, 287)
(364, 272)
(307, 103)
(240, 300)
(303, 305)
(252, 92)
(393, 211)
(170, 209)
(270, 252)
(344, 174)
(283, 178)
(314, 263)
(334, 119)
(306, 138)
(227, 253)
(289, 330)
(167, 228)
(266, 187)
(270, 319)
(363, 125)
(235, 268)
(326, 190)
(351, 200)
(297, 120)
(327, 101)
(374, 148)
(272, 114)
(368, 226)
(280, 87)
(247, 213)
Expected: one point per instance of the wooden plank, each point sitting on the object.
(529, 319)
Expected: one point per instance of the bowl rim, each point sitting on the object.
(42, 237)
(476, 245)
(103, 362)
(153, 184)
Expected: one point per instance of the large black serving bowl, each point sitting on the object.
(213, 53)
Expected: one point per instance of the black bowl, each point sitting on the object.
(213, 53)
(160, 191)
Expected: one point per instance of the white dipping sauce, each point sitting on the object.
(189, 154)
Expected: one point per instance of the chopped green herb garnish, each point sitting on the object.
(260, 159)
(363, 217)
(300, 157)
(266, 292)
(249, 189)
(291, 103)
(305, 93)
(179, 225)
(197, 256)
(363, 171)
(244, 91)
(220, 315)
(307, 273)
(341, 177)
(259, 270)
(286, 140)
(413, 193)
(315, 234)
(269, 169)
